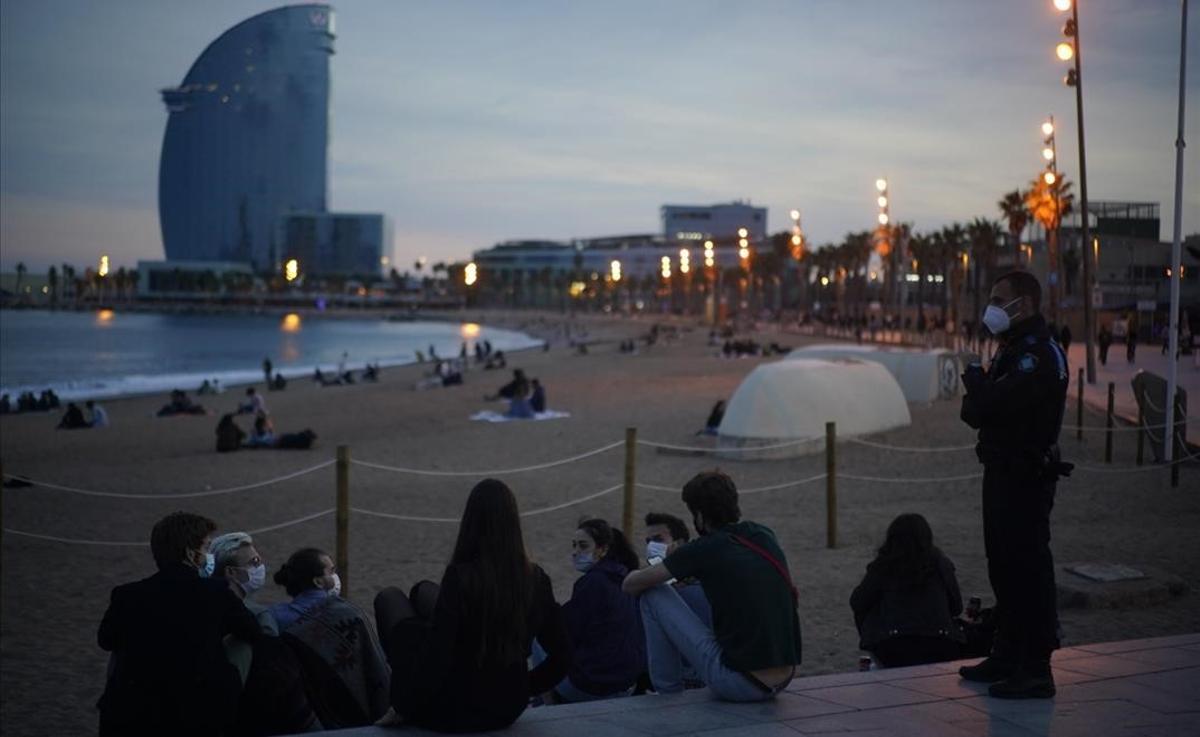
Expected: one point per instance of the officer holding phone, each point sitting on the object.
(1017, 406)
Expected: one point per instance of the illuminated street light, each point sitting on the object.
(685, 258)
(1048, 154)
(742, 233)
(1065, 51)
(795, 214)
(291, 270)
(102, 270)
(470, 274)
(666, 267)
(797, 240)
(1063, 5)
(881, 185)
(882, 201)
(883, 218)
(709, 259)
(614, 270)
(1049, 178)
(1047, 128)
(744, 253)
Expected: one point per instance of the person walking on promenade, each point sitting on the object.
(1131, 343)
(1017, 406)
(1104, 340)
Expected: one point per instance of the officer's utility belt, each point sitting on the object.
(1046, 463)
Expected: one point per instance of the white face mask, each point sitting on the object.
(337, 586)
(256, 577)
(996, 318)
(656, 549)
(583, 562)
(210, 564)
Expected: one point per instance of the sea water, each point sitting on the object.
(104, 353)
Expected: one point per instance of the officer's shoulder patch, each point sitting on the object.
(1027, 363)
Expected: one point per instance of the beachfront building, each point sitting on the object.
(246, 144)
(190, 279)
(333, 242)
(685, 225)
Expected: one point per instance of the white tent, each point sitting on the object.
(793, 399)
(923, 375)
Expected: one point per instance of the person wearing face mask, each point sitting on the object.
(345, 668)
(168, 673)
(273, 699)
(752, 650)
(1017, 406)
(664, 534)
(607, 639)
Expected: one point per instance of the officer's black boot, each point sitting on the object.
(990, 670)
(1029, 681)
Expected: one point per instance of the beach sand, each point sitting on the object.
(54, 594)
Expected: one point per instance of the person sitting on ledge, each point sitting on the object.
(169, 673)
(519, 406)
(463, 667)
(254, 404)
(905, 609)
(273, 699)
(509, 390)
(607, 641)
(279, 383)
(753, 648)
(99, 418)
(343, 664)
(263, 435)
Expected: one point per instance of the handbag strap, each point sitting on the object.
(779, 567)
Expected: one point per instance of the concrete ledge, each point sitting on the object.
(1152, 684)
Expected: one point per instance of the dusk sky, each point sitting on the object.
(468, 123)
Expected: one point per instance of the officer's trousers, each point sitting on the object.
(1016, 537)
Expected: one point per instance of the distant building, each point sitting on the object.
(694, 224)
(169, 279)
(247, 142)
(333, 242)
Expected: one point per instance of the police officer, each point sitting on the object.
(1017, 405)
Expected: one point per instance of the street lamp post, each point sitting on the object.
(1074, 79)
(744, 257)
(1176, 255)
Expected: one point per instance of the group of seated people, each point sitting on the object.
(181, 404)
(446, 372)
(628, 346)
(73, 418)
(194, 654)
(748, 347)
(28, 402)
(526, 397)
(231, 437)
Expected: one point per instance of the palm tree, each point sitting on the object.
(52, 281)
(984, 236)
(924, 250)
(20, 277)
(950, 243)
(1016, 216)
(1048, 203)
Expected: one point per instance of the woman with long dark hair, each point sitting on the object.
(906, 606)
(607, 639)
(460, 663)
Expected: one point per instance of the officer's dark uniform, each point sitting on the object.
(1017, 406)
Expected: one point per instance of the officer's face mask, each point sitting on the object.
(996, 317)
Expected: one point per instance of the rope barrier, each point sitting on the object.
(123, 544)
(927, 480)
(744, 492)
(447, 520)
(740, 449)
(911, 449)
(495, 472)
(188, 495)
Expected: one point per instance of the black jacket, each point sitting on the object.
(888, 606)
(170, 674)
(1017, 405)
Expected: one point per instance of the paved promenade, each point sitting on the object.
(1137, 688)
(1149, 358)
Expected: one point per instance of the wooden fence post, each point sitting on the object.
(630, 480)
(831, 485)
(1079, 409)
(343, 518)
(1108, 423)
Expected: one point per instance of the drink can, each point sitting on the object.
(974, 606)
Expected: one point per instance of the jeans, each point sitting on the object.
(674, 632)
